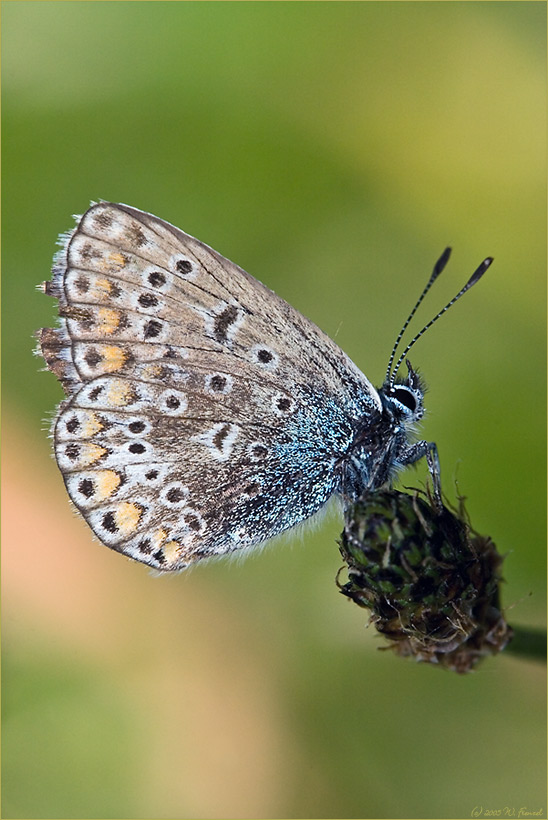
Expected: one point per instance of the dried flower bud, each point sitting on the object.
(430, 581)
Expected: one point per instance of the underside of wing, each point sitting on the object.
(203, 413)
(132, 288)
(169, 478)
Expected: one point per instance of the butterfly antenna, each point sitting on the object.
(438, 267)
(476, 276)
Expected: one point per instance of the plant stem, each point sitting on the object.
(528, 643)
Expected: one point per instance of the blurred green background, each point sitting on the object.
(332, 150)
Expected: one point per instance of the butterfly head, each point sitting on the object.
(403, 400)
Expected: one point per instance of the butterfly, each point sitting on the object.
(202, 413)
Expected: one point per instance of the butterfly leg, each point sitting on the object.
(429, 450)
(432, 459)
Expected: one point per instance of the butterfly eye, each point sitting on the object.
(405, 397)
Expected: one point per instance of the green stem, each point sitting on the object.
(528, 643)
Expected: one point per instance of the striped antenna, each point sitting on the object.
(438, 267)
(476, 276)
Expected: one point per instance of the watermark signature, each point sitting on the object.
(518, 812)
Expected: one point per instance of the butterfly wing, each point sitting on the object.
(203, 413)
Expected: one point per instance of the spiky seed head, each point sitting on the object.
(430, 581)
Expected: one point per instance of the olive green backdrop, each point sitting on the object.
(332, 150)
